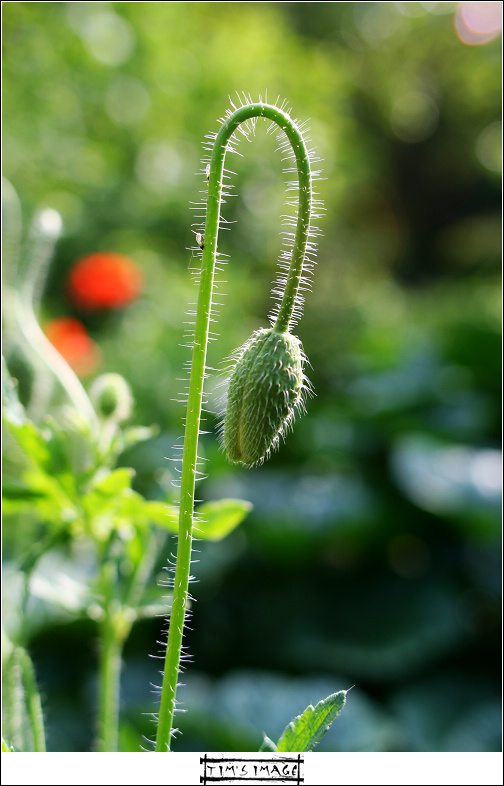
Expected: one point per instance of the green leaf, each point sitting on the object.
(268, 746)
(114, 482)
(5, 747)
(31, 441)
(47, 498)
(114, 505)
(162, 514)
(305, 731)
(56, 501)
(111, 494)
(135, 434)
(216, 519)
(14, 491)
(22, 709)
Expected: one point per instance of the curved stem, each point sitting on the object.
(31, 276)
(43, 348)
(194, 403)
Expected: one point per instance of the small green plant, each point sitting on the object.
(67, 488)
(70, 483)
(267, 381)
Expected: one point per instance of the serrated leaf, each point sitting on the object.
(305, 731)
(268, 746)
(215, 520)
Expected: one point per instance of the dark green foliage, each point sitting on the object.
(372, 555)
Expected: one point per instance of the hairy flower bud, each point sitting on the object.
(112, 397)
(265, 388)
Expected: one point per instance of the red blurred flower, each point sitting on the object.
(104, 280)
(70, 338)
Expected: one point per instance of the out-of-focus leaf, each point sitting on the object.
(22, 708)
(14, 491)
(136, 434)
(114, 505)
(53, 500)
(56, 451)
(216, 519)
(268, 746)
(114, 482)
(16, 498)
(151, 610)
(57, 496)
(162, 514)
(31, 441)
(5, 747)
(76, 442)
(111, 502)
(305, 731)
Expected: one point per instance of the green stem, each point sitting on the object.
(109, 677)
(33, 703)
(115, 627)
(43, 348)
(109, 671)
(195, 394)
(31, 277)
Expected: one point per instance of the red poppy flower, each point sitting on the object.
(70, 338)
(104, 280)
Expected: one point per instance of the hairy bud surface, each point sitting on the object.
(266, 387)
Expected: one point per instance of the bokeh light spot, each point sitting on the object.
(127, 101)
(438, 8)
(478, 23)
(486, 473)
(413, 10)
(70, 338)
(104, 280)
(108, 37)
(49, 223)
(489, 147)
(376, 22)
(158, 166)
(414, 116)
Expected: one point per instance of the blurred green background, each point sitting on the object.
(372, 555)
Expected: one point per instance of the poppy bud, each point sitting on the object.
(266, 387)
(112, 397)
